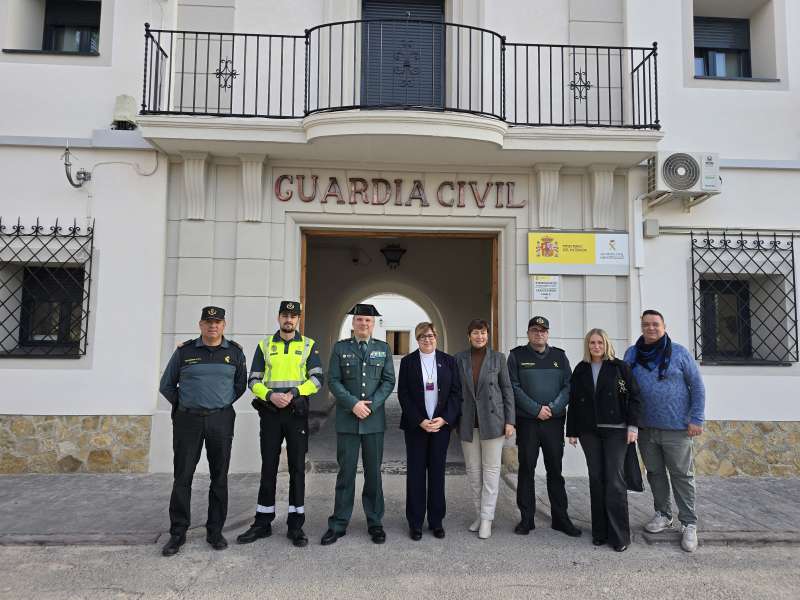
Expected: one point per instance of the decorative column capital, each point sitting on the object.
(251, 200)
(602, 186)
(547, 180)
(194, 185)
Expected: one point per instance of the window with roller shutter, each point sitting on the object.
(722, 47)
(403, 53)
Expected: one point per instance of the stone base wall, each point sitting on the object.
(759, 448)
(70, 444)
(728, 448)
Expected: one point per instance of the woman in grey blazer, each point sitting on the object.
(487, 419)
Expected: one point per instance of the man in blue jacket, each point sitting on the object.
(203, 378)
(540, 377)
(673, 405)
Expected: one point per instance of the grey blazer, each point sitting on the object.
(494, 397)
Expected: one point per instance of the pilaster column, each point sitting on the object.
(251, 202)
(547, 179)
(602, 186)
(194, 185)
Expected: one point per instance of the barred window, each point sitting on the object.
(45, 279)
(744, 298)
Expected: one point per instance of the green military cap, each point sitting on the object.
(364, 310)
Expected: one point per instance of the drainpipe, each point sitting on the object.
(638, 244)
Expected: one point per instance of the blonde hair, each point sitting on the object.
(609, 351)
(422, 328)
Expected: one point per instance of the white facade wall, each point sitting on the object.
(150, 260)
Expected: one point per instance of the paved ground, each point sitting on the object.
(545, 564)
(98, 536)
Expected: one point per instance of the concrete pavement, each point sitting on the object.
(545, 564)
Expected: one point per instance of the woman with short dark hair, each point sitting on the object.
(429, 391)
(487, 419)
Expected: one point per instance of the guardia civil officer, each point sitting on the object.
(203, 379)
(540, 377)
(361, 378)
(286, 370)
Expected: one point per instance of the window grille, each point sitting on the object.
(45, 281)
(744, 298)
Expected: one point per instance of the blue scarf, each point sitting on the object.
(651, 355)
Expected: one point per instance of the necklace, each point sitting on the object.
(429, 372)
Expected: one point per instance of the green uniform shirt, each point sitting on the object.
(355, 375)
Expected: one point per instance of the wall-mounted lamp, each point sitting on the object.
(393, 253)
(82, 176)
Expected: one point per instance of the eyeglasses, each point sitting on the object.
(427, 336)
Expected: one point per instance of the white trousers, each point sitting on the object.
(482, 459)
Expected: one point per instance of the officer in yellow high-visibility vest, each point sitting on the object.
(286, 370)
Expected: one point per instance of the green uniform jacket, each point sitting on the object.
(354, 377)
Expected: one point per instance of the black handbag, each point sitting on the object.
(633, 470)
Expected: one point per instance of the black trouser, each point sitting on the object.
(189, 432)
(275, 427)
(549, 435)
(605, 458)
(426, 457)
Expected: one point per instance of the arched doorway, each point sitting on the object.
(451, 279)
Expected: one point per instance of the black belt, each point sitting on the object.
(203, 412)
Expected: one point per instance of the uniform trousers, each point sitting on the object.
(189, 433)
(548, 435)
(275, 427)
(605, 450)
(347, 447)
(426, 455)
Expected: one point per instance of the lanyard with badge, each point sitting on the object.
(429, 379)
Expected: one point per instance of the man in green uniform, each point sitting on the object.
(361, 379)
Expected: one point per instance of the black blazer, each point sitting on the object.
(615, 399)
(411, 392)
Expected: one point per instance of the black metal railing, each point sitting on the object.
(45, 284)
(225, 74)
(399, 63)
(744, 297)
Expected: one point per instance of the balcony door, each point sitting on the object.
(402, 56)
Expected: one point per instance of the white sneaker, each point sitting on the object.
(658, 523)
(689, 538)
(485, 530)
(475, 525)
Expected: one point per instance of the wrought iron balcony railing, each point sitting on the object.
(399, 64)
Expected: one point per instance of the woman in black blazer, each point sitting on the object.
(429, 391)
(603, 414)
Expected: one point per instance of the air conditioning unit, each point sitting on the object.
(691, 178)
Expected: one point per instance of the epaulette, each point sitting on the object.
(237, 344)
(557, 348)
(182, 344)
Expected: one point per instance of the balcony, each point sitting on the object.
(384, 70)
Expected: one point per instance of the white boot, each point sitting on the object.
(485, 530)
(475, 525)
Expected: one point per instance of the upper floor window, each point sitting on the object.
(71, 26)
(721, 47)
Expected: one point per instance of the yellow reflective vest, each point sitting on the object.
(287, 368)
